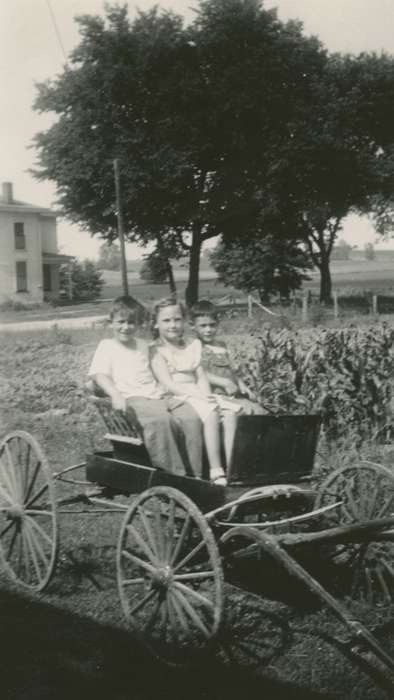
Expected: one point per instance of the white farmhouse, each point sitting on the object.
(29, 257)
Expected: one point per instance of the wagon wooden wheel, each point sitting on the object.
(169, 574)
(28, 522)
(364, 492)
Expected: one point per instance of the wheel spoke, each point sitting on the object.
(140, 562)
(35, 512)
(161, 549)
(354, 511)
(192, 613)
(33, 554)
(190, 556)
(141, 542)
(133, 581)
(170, 529)
(26, 469)
(12, 471)
(5, 494)
(383, 585)
(32, 483)
(164, 616)
(173, 627)
(194, 576)
(371, 506)
(148, 529)
(198, 597)
(37, 495)
(7, 483)
(26, 558)
(154, 614)
(12, 543)
(179, 613)
(30, 524)
(386, 505)
(41, 531)
(141, 604)
(181, 539)
(369, 582)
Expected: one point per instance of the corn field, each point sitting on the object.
(346, 375)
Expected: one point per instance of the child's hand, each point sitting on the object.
(244, 389)
(230, 387)
(118, 402)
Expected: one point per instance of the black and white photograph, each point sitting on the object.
(197, 350)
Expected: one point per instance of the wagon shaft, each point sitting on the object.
(270, 545)
(371, 530)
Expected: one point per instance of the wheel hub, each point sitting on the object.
(162, 578)
(15, 513)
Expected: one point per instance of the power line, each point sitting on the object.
(56, 30)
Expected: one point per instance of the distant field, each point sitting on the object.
(148, 293)
(356, 273)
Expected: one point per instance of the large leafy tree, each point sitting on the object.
(268, 265)
(200, 119)
(343, 160)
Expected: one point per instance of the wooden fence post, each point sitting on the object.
(374, 304)
(305, 306)
(335, 295)
(250, 305)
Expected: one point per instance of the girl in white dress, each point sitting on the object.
(176, 363)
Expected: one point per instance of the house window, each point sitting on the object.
(21, 276)
(19, 235)
(47, 278)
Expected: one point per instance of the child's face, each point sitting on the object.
(205, 327)
(124, 326)
(170, 323)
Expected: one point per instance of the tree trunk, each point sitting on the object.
(191, 293)
(171, 279)
(325, 279)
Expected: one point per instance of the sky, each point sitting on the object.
(36, 35)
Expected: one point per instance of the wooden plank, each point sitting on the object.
(125, 476)
(272, 449)
(103, 469)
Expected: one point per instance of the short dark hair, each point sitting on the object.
(204, 307)
(127, 304)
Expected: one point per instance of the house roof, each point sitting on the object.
(26, 207)
(56, 258)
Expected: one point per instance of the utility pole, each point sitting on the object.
(120, 229)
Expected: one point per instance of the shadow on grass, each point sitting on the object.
(47, 653)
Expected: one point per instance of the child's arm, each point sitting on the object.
(101, 372)
(107, 385)
(163, 376)
(203, 382)
(244, 389)
(240, 386)
(224, 383)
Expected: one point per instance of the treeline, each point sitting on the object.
(237, 125)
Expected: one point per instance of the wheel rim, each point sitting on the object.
(367, 492)
(170, 577)
(28, 522)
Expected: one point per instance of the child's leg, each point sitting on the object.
(190, 438)
(229, 421)
(160, 433)
(212, 444)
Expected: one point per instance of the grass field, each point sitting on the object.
(72, 639)
(355, 273)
